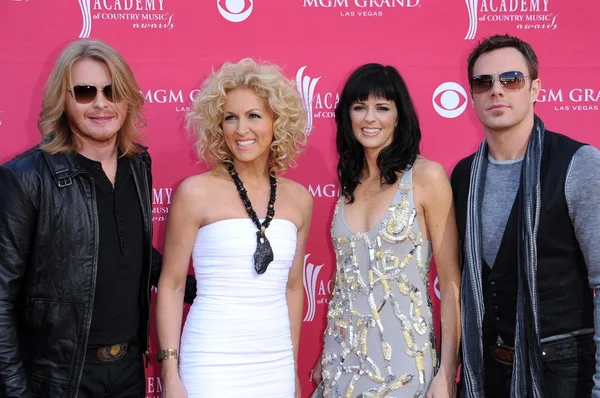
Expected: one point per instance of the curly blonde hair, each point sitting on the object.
(280, 97)
(53, 122)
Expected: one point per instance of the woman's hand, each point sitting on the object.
(173, 388)
(315, 374)
(442, 386)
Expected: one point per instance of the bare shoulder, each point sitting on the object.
(196, 196)
(200, 188)
(296, 192)
(429, 174)
(194, 186)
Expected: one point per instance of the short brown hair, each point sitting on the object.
(504, 41)
(53, 122)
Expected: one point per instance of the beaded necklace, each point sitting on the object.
(264, 253)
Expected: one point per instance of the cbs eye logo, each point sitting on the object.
(235, 10)
(447, 100)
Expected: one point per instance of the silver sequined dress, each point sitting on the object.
(379, 340)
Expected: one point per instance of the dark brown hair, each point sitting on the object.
(504, 41)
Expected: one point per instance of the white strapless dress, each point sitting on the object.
(236, 341)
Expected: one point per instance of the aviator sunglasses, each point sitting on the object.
(86, 94)
(510, 81)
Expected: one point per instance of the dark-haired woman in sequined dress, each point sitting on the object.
(395, 212)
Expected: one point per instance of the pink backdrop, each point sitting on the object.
(172, 45)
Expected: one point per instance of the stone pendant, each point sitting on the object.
(263, 254)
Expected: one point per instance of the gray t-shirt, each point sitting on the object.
(501, 186)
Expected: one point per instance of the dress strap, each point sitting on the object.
(407, 177)
(404, 187)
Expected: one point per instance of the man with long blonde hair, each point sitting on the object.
(76, 257)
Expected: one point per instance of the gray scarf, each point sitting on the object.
(527, 367)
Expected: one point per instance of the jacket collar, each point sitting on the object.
(63, 167)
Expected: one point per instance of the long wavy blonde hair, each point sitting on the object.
(53, 122)
(280, 97)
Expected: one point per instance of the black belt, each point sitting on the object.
(570, 347)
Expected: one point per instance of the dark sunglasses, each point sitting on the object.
(86, 94)
(510, 81)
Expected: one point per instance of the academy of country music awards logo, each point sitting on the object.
(140, 14)
(318, 291)
(317, 104)
(306, 87)
(361, 8)
(161, 200)
(525, 14)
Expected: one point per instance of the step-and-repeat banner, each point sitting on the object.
(172, 46)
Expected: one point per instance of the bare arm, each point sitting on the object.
(181, 231)
(441, 224)
(190, 281)
(295, 287)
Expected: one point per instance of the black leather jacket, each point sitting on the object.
(48, 259)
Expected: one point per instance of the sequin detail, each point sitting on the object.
(380, 309)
